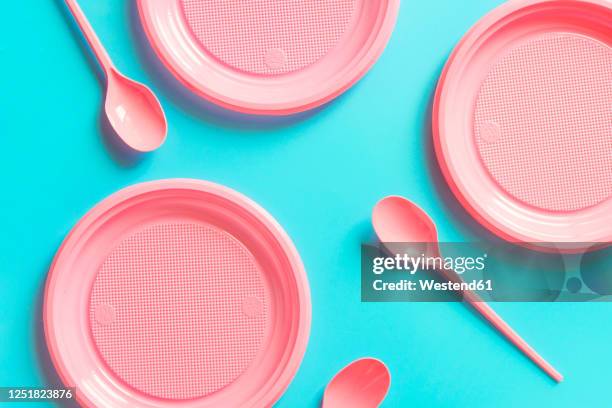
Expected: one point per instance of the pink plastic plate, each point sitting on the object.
(177, 293)
(522, 121)
(272, 57)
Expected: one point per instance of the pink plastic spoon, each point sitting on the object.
(362, 384)
(396, 219)
(132, 109)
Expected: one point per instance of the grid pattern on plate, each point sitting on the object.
(243, 33)
(178, 292)
(550, 99)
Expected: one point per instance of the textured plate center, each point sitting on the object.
(268, 36)
(543, 122)
(178, 311)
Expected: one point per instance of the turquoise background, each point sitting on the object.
(319, 174)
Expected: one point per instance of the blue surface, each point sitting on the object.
(319, 175)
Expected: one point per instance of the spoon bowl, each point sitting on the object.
(134, 113)
(362, 384)
(398, 221)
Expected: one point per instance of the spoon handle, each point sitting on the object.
(504, 328)
(90, 35)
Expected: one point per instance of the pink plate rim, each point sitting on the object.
(88, 223)
(155, 14)
(492, 207)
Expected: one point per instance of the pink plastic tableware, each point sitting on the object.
(397, 220)
(269, 57)
(521, 122)
(131, 108)
(362, 384)
(177, 293)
